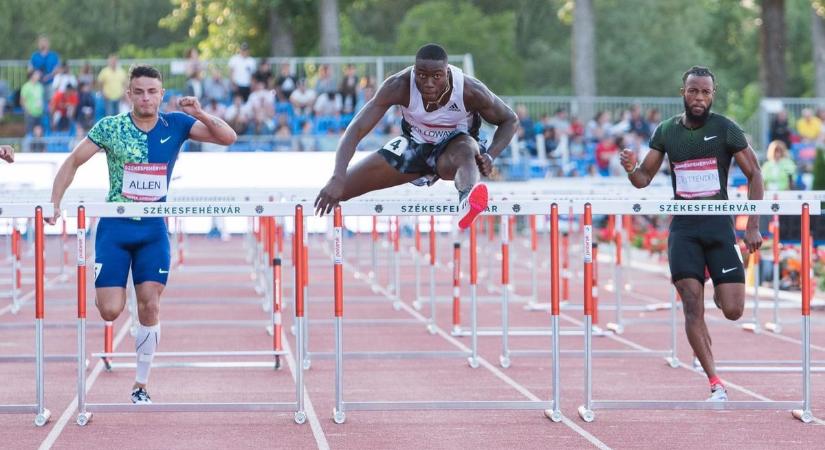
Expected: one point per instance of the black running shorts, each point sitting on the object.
(408, 156)
(696, 242)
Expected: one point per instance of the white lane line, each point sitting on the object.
(314, 423)
(498, 373)
(22, 300)
(70, 410)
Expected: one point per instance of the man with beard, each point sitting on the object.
(700, 146)
(442, 110)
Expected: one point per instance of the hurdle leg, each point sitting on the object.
(586, 410)
(754, 326)
(555, 413)
(805, 414)
(338, 415)
(473, 359)
(504, 358)
(673, 360)
(43, 414)
(775, 326)
(456, 289)
(396, 262)
(431, 326)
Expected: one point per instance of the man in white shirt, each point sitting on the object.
(241, 67)
(302, 99)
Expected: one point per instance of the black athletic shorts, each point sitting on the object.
(407, 156)
(696, 242)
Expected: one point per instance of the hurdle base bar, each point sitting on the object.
(195, 354)
(804, 415)
(394, 355)
(368, 322)
(448, 405)
(773, 327)
(201, 365)
(599, 353)
(27, 358)
(40, 419)
(193, 407)
(527, 331)
(695, 405)
(767, 369)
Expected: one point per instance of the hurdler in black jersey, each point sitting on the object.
(700, 147)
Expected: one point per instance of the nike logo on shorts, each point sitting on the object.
(163, 271)
(728, 270)
(706, 138)
(163, 141)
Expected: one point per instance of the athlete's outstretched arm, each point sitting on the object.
(81, 153)
(391, 93)
(641, 176)
(208, 128)
(746, 160)
(477, 97)
(7, 153)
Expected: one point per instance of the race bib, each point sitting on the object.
(144, 182)
(396, 145)
(697, 178)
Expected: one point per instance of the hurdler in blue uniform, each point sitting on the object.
(141, 149)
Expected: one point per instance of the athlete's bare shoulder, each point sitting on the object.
(477, 96)
(395, 90)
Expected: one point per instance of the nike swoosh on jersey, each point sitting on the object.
(706, 138)
(163, 271)
(728, 270)
(163, 141)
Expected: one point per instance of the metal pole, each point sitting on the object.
(534, 280)
(338, 261)
(299, 311)
(305, 288)
(473, 360)
(504, 359)
(805, 414)
(418, 257)
(456, 288)
(43, 414)
(555, 413)
(83, 416)
(586, 410)
(673, 360)
(396, 261)
(431, 325)
(775, 326)
(277, 345)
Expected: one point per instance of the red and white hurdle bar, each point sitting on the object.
(241, 209)
(36, 212)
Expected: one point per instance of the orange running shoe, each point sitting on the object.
(472, 204)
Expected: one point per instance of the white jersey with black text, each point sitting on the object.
(422, 126)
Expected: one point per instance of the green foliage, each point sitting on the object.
(490, 38)
(741, 105)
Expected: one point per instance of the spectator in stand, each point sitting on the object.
(637, 123)
(237, 115)
(112, 81)
(325, 83)
(194, 87)
(598, 128)
(286, 80)
(779, 170)
(216, 87)
(86, 75)
(527, 133)
(607, 148)
(44, 60)
(32, 99)
(349, 89)
(63, 107)
(4, 94)
(241, 67)
(560, 122)
(193, 62)
(808, 126)
(283, 129)
(214, 108)
(263, 74)
(79, 135)
(780, 129)
(62, 78)
(307, 141)
(551, 141)
(34, 143)
(303, 99)
(327, 110)
(261, 106)
(654, 118)
(86, 106)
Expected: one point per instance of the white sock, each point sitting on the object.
(146, 342)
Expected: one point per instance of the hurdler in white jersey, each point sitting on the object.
(442, 110)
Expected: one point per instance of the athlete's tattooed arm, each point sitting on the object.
(208, 128)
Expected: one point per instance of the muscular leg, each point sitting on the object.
(148, 303)
(110, 301)
(730, 297)
(458, 163)
(692, 294)
(371, 174)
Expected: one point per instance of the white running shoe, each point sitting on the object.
(718, 394)
(471, 205)
(141, 397)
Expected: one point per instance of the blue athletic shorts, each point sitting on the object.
(122, 243)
